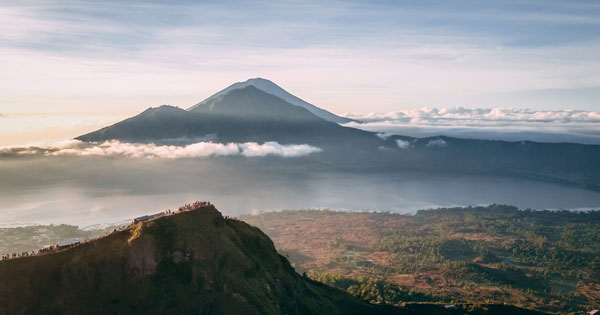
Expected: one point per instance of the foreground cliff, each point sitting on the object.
(195, 262)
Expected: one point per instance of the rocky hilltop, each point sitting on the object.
(193, 262)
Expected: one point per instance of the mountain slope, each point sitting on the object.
(251, 115)
(160, 123)
(194, 262)
(274, 89)
(241, 115)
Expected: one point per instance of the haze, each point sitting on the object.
(523, 71)
(88, 191)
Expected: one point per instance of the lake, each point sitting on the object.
(89, 191)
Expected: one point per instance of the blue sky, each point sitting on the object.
(346, 56)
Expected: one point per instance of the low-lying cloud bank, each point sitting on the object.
(481, 115)
(152, 151)
(499, 123)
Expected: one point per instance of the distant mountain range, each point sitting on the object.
(244, 112)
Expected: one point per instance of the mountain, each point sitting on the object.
(164, 122)
(195, 262)
(249, 114)
(274, 89)
(240, 115)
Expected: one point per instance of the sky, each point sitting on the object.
(422, 68)
(120, 57)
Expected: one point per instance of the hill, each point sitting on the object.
(192, 262)
(274, 89)
(545, 260)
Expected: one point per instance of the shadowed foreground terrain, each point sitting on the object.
(189, 263)
(195, 262)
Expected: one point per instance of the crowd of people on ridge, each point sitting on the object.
(49, 249)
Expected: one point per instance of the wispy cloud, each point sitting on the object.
(437, 143)
(403, 144)
(112, 55)
(152, 151)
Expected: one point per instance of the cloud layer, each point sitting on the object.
(481, 116)
(152, 151)
(498, 123)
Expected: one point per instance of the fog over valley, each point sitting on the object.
(89, 190)
(254, 147)
(500, 123)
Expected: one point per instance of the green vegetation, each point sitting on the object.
(374, 290)
(377, 292)
(478, 258)
(552, 243)
(545, 260)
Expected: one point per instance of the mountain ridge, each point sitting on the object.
(192, 262)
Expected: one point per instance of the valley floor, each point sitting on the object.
(544, 260)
